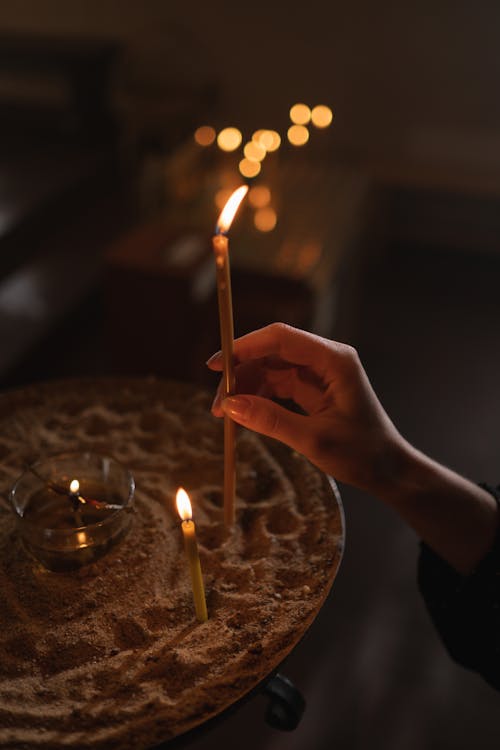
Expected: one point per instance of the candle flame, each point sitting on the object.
(184, 504)
(229, 211)
(74, 486)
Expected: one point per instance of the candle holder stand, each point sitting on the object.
(286, 705)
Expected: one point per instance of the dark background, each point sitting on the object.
(100, 182)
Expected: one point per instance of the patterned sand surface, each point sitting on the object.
(111, 656)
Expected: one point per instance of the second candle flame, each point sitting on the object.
(183, 504)
(229, 211)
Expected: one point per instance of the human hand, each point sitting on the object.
(344, 430)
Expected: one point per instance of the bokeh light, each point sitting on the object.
(298, 135)
(229, 139)
(249, 168)
(257, 135)
(321, 116)
(309, 256)
(254, 151)
(270, 140)
(205, 135)
(265, 219)
(259, 196)
(300, 114)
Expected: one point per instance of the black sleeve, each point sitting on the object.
(466, 609)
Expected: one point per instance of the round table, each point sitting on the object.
(111, 655)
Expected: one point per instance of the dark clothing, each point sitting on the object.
(466, 609)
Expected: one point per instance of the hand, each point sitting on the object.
(343, 428)
(345, 431)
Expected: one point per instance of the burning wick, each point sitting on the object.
(220, 245)
(191, 547)
(74, 494)
(74, 491)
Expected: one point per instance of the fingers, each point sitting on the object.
(292, 345)
(215, 361)
(266, 417)
(216, 405)
(294, 385)
(250, 377)
(287, 383)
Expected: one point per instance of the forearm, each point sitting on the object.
(453, 516)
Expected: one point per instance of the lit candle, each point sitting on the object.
(74, 493)
(221, 250)
(191, 547)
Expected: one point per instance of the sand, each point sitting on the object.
(111, 655)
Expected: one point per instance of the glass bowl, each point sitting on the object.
(72, 508)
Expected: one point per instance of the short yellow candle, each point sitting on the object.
(191, 547)
(220, 244)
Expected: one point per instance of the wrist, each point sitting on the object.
(455, 517)
(395, 469)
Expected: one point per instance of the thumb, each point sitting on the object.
(264, 416)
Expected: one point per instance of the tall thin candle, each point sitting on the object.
(220, 244)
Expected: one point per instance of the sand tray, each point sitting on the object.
(111, 656)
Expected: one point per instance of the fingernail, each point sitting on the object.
(214, 358)
(237, 407)
(216, 403)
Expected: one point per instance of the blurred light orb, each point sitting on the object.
(270, 140)
(249, 168)
(321, 116)
(254, 151)
(229, 139)
(298, 135)
(257, 135)
(259, 196)
(205, 135)
(265, 219)
(300, 114)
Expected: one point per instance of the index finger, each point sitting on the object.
(292, 345)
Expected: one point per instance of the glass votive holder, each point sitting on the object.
(72, 508)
